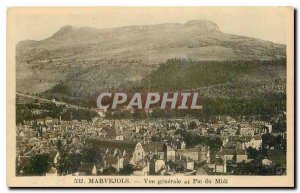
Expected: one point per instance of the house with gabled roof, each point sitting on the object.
(238, 155)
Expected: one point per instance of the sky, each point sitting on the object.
(268, 23)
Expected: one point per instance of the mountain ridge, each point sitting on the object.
(109, 57)
(69, 28)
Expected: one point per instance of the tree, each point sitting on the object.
(238, 131)
(192, 125)
(214, 143)
(90, 155)
(139, 114)
(179, 167)
(59, 145)
(63, 163)
(253, 153)
(74, 160)
(268, 140)
(68, 162)
(109, 171)
(39, 164)
(127, 170)
(211, 131)
(279, 127)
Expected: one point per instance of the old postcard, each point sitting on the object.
(150, 97)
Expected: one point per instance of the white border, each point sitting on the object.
(10, 3)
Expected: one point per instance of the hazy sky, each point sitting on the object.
(264, 23)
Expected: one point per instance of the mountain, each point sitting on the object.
(79, 61)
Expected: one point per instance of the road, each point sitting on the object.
(59, 103)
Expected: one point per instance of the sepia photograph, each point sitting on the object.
(150, 97)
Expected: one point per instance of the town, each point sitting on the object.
(73, 146)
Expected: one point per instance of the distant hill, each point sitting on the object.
(84, 60)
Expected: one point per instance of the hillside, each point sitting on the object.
(219, 79)
(76, 63)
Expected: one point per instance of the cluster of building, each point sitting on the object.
(149, 146)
